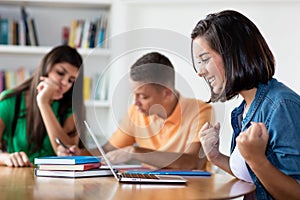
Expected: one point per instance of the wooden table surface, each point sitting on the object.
(21, 183)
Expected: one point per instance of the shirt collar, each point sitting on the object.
(261, 92)
(175, 117)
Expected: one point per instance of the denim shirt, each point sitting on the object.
(278, 107)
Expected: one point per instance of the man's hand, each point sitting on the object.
(17, 159)
(122, 155)
(252, 143)
(209, 138)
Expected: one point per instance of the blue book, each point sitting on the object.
(69, 160)
(4, 31)
(171, 172)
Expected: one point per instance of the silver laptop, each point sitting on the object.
(134, 178)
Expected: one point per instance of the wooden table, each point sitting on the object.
(21, 183)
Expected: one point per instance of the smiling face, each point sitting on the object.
(64, 74)
(148, 98)
(209, 65)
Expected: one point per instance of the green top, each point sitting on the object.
(18, 142)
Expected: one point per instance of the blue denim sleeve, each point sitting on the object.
(283, 149)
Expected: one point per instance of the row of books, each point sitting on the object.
(87, 33)
(95, 88)
(18, 32)
(12, 78)
(82, 33)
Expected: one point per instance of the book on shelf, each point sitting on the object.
(85, 35)
(33, 40)
(65, 35)
(76, 167)
(28, 29)
(13, 32)
(101, 31)
(72, 36)
(21, 33)
(24, 16)
(73, 173)
(87, 88)
(4, 31)
(92, 34)
(100, 87)
(79, 33)
(13, 78)
(71, 160)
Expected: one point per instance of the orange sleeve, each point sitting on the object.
(124, 135)
(206, 114)
(120, 139)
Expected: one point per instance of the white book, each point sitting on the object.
(85, 34)
(73, 173)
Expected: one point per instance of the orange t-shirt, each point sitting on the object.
(174, 134)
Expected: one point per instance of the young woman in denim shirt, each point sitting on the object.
(234, 59)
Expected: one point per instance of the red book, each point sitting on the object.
(78, 167)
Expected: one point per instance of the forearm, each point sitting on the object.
(170, 160)
(279, 185)
(222, 161)
(53, 127)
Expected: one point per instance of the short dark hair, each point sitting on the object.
(153, 68)
(247, 58)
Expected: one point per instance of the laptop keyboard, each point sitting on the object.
(144, 176)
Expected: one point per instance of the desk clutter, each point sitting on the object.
(70, 166)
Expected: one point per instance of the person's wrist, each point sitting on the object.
(213, 159)
(42, 103)
(258, 163)
(212, 155)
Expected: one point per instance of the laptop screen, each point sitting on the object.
(100, 149)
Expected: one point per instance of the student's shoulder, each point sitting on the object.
(4, 93)
(7, 103)
(278, 92)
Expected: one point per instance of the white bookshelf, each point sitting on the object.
(42, 50)
(60, 3)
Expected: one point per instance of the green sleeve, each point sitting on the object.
(7, 110)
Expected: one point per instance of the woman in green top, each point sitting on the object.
(34, 113)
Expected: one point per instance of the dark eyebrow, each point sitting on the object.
(63, 68)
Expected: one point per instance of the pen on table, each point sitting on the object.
(58, 141)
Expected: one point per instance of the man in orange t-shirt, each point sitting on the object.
(161, 127)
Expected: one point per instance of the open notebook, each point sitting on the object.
(134, 178)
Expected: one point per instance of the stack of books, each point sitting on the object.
(70, 166)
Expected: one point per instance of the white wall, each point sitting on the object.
(277, 20)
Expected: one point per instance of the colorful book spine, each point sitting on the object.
(26, 30)
(4, 31)
(71, 160)
(87, 88)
